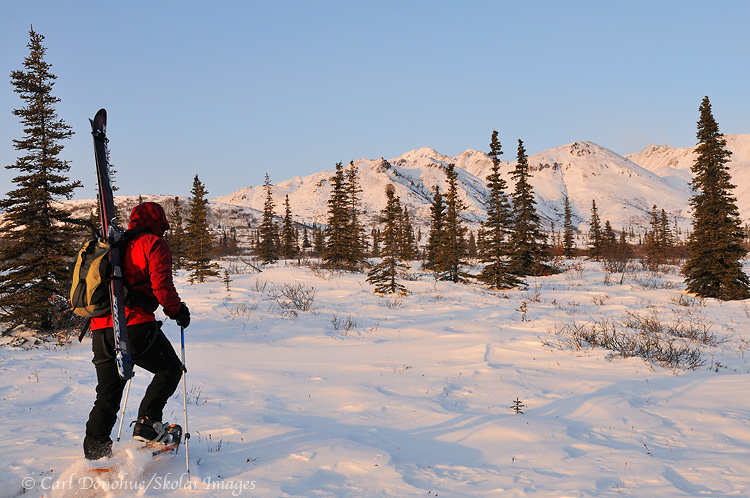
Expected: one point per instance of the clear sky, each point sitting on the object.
(230, 90)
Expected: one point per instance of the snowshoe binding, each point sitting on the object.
(159, 437)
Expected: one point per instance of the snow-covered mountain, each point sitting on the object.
(673, 165)
(625, 188)
(624, 191)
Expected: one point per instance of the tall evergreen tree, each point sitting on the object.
(455, 231)
(306, 244)
(199, 240)
(375, 236)
(471, 246)
(568, 241)
(493, 247)
(268, 248)
(665, 233)
(341, 247)
(714, 268)
(384, 275)
(289, 244)
(409, 250)
(528, 242)
(356, 234)
(319, 240)
(436, 238)
(33, 266)
(656, 251)
(176, 235)
(596, 239)
(608, 236)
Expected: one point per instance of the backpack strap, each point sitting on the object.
(84, 328)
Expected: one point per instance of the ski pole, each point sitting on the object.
(122, 415)
(184, 402)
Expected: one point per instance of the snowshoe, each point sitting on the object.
(170, 443)
(149, 431)
(159, 437)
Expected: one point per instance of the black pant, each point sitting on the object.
(150, 350)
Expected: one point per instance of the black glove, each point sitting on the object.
(182, 317)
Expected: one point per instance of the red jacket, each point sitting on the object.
(148, 259)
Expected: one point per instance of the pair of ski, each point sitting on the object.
(111, 232)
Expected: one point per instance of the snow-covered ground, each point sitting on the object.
(365, 395)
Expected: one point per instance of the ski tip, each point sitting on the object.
(99, 123)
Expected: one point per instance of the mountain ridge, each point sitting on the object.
(625, 188)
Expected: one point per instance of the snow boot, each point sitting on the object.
(94, 449)
(149, 431)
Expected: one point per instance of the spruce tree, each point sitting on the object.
(655, 250)
(714, 268)
(528, 243)
(624, 247)
(268, 245)
(665, 234)
(455, 232)
(199, 240)
(608, 236)
(436, 238)
(409, 250)
(176, 235)
(493, 247)
(289, 244)
(596, 240)
(356, 231)
(384, 275)
(39, 235)
(341, 250)
(471, 246)
(568, 242)
(375, 236)
(306, 244)
(319, 240)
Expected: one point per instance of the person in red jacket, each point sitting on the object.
(147, 270)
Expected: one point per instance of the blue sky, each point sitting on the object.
(232, 90)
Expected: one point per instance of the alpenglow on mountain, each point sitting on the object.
(625, 188)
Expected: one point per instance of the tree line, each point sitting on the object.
(38, 237)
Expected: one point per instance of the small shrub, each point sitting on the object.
(600, 300)
(653, 282)
(392, 302)
(523, 309)
(689, 301)
(241, 310)
(260, 285)
(685, 326)
(293, 298)
(649, 342)
(344, 324)
(573, 271)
